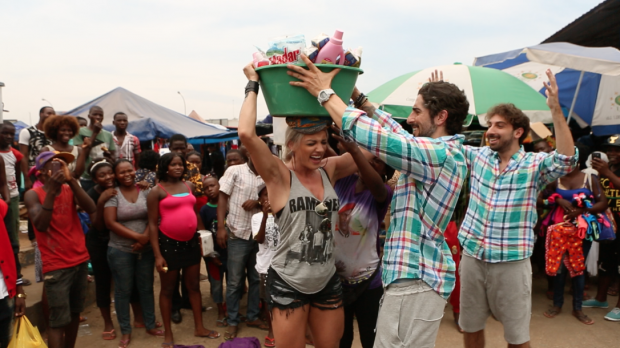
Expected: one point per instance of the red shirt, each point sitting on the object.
(63, 245)
(7, 258)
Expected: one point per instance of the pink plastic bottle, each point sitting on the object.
(331, 51)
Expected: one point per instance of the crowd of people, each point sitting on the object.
(303, 237)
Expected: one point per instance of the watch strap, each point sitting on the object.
(324, 95)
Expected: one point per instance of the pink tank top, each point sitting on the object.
(178, 219)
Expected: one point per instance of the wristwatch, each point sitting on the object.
(22, 296)
(324, 95)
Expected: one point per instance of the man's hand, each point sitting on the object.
(27, 183)
(250, 73)
(97, 127)
(552, 92)
(601, 167)
(436, 77)
(250, 205)
(216, 261)
(20, 306)
(266, 208)
(222, 237)
(64, 169)
(312, 79)
(55, 182)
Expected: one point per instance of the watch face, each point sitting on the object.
(323, 95)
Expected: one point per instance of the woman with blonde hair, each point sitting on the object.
(301, 289)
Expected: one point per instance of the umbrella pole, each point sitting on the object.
(572, 105)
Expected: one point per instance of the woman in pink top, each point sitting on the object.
(175, 241)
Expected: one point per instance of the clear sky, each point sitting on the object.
(70, 51)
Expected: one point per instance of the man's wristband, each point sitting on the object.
(47, 209)
(360, 100)
(252, 86)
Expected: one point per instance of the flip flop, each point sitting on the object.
(210, 335)
(583, 318)
(167, 345)
(158, 333)
(269, 342)
(262, 325)
(221, 322)
(109, 335)
(551, 312)
(123, 343)
(142, 326)
(229, 336)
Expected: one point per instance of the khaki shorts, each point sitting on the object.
(409, 316)
(66, 292)
(503, 289)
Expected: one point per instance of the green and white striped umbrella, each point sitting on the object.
(484, 88)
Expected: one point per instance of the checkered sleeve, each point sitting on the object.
(136, 148)
(422, 158)
(227, 181)
(470, 153)
(554, 166)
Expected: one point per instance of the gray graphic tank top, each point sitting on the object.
(304, 256)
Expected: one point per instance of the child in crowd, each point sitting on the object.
(266, 233)
(216, 262)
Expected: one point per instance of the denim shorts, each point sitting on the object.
(286, 298)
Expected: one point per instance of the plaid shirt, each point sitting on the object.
(424, 197)
(241, 184)
(499, 223)
(129, 149)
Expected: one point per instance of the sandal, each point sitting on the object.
(210, 335)
(109, 335)
(157, 333)
(269, 342)
(552, 312)
(582, 317)
(221, 322)
(123, 343)
(229, 336)
(142, 326)
(261, 325)
(167, 345)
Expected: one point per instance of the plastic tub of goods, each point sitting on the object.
(284, 100)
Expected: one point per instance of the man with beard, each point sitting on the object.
(609, 254)
(418, 270)
(497, 233)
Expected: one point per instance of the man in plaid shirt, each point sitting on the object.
(418, 270)
(497, 234)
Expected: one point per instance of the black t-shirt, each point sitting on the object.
(208, 214)
(95, 234)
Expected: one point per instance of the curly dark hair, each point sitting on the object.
(53, 124)
(514, 116)
(148, 160)
(443, 95)
(164, 162)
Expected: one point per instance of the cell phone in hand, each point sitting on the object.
(55, 167)
(596, 155)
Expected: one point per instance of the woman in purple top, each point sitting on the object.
(364, 200)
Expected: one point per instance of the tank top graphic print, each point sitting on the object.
(304, 255)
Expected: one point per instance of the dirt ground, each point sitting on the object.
(564, 331)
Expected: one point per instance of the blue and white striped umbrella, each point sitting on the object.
(590, 74)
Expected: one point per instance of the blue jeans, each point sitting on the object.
(579, 283)
(217, 290)
(127, 269)
(241, 258)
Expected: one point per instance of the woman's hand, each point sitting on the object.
(573, 214)
(106, 195)
(566, 205)
(137, 247)
(161, 265)
(143, 185)
(143, 239)
(347, 143)
(250, 73)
